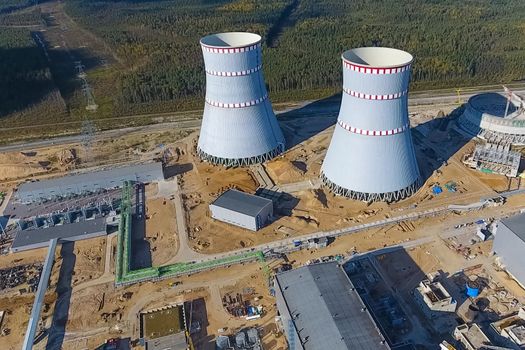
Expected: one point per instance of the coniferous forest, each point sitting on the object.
(456, 43)
(158, 61)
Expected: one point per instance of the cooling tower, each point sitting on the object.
(238, 126)
(371, 156)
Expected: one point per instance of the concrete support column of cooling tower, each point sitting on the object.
(239, 126)
(371, 155)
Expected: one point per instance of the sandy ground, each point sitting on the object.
(58, 160)
(309, 211)
(89, 263)
(99, 311)
(161, 230)
(114, 311)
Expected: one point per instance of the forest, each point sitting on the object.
(26, 77)
(159, 66)
(456, 43)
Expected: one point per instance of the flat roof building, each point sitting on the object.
(509, 245)
(472, 337)
(164, 328)
(320, 309)
(433, 298)
(88, 182)
(40, 237)
(512, 329)
(242, 209)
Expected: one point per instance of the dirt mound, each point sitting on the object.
(305, 219)
(285, 171)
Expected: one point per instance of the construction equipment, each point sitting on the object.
(451, 186)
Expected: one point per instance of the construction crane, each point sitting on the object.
(513, 97)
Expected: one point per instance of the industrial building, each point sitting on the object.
(495, 159)
(496, 118)
(242, 209)
(164, 328)
(245, 339)
(40, 237)
(512, 330)
(472, 337)
(239, 126)
(433, 298)
(509, 246)
(89, 182)
(320, 309)
(371, 156)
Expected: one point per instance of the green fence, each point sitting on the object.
(124, 275)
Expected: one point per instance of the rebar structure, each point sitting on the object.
(239, 127)
(371, 156)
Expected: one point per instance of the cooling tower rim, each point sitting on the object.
(377, 57)
(240, 162)
(393, 196)
(230, 40)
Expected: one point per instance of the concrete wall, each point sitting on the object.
(510, 249)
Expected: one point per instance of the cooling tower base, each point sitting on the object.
(372, 197)
(239, 162)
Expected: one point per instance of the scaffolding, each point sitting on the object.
(495, 159)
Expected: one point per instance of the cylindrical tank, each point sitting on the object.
(471, 313)
(371, 156)
(239, 126)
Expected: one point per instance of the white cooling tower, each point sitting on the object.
(238, 126)
(371, 156)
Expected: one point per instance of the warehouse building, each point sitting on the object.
(509, 245)
(242, 209)
(320, 309)
(77, 231)
(85, 183)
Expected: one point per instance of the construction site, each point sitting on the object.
(123, 237)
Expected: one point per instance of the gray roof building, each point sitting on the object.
(242, 209)
(320, 309)
(509, 245)
(38, 238)
(88, 182)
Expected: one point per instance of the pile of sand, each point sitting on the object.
(284, 171)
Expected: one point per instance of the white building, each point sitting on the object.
(509, 245)
(242, 209)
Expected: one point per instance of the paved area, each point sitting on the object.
(171, 189)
